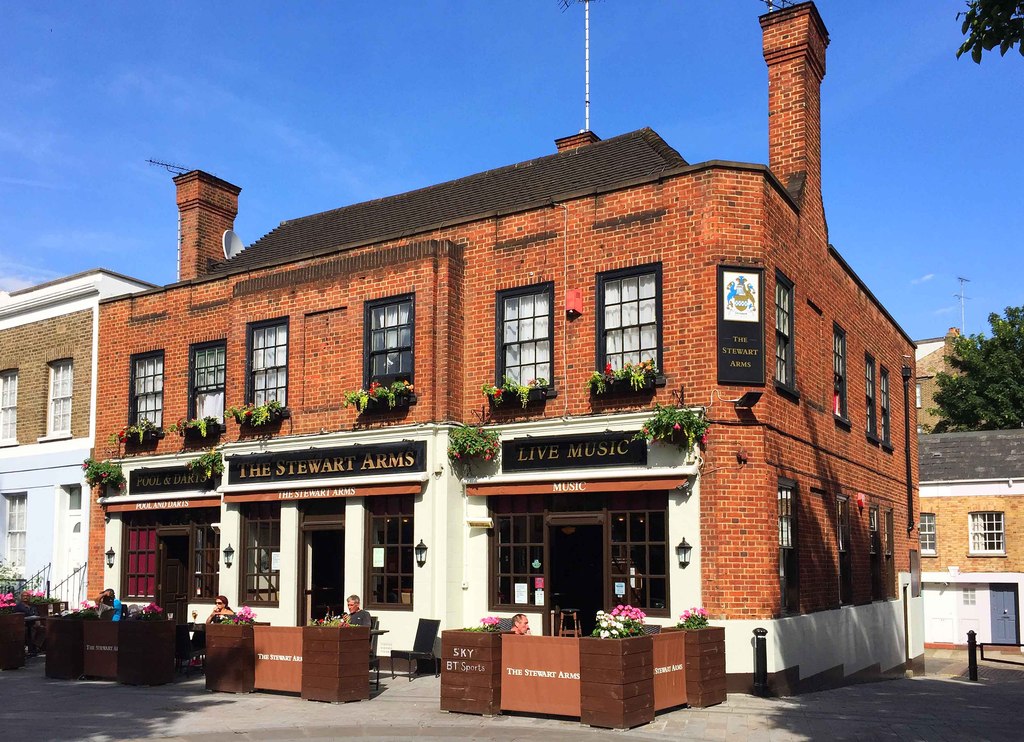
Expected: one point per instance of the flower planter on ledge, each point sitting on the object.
(149, 438)
(276, 416)
(625, 388)
(616, 682)
(511, 400)
(471, 672)
(378, 405)
(195, 435)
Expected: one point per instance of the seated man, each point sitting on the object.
(356, 616)
(33, 627)
(520, 625)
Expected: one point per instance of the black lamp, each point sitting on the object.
(683, 550)
(229, 555)
(110, 557)
(421, 553)
(748, 400)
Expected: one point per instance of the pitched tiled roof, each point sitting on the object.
(603, 164)
(958, 457)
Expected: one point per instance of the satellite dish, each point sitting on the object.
(232, 244)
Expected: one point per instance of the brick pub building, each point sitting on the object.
(605, 252)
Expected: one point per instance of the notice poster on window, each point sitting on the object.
(378, 556)
(275, 561)
(521, 593)
(620, 589)
(538, 597)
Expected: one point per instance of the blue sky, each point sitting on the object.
(310, 106)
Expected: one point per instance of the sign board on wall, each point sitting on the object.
(573, 451)
(328, 463)
(740, 325)
(167, 479)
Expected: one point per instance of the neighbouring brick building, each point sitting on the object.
(931, 355)
(604, 253)
(47, 392)
(972, 535)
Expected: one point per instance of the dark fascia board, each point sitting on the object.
(864, 287)
(498, 213)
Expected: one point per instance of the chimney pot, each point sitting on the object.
(207, 207)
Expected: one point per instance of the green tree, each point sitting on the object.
(985, 390)
(991, 23)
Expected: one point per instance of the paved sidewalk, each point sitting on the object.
(936, 707)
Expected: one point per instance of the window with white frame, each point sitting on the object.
(927, 533)
(918, 396)
(970, 596)
(987, 533)
(16, 507)
(9, 406)
(61, 377)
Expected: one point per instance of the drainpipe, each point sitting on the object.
(906, 447)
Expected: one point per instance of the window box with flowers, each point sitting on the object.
(468, 443)
(479, 691)
(679, 426)
(510, 392)
(230, 663)
(259, 415)
(704, 656)
(398, 395)
(617, 671)
(105, 473)
(208, 465)
(633, 378)
(145, 651)
(335, 659)
(198, 429)
(12, 634)
(142, 433)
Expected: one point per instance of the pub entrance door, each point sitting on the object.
(576, 568)
(172, 587)
(323, 560)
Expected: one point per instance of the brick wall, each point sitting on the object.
(29, 348)
(952, 533)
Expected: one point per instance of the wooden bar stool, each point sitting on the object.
(569, 622)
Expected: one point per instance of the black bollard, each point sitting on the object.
(760, 662)
(972, 655)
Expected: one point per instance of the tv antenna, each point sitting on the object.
(173, 169)
(586, 56)
(777, 4)
(962, 297)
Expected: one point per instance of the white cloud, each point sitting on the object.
(922, 279)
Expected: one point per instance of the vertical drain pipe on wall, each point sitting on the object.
(565, 293)
(906, 447)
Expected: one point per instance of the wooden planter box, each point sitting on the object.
(376, 406)
(623, 387)
(616, 682)
(145, 654)
(12, 641)
(471, 672)
(704, 656)
(511, 401)
(194, 435)
(65, 645)
(335, 663)
(230, 663)
(99, 652)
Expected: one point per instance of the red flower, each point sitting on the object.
(704, 439)
(607, 368)
(498, 391)
(677, 426)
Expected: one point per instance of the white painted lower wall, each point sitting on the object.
(949, 614)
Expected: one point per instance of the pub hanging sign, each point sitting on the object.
(573, 451)
(740, 325)
(328, 463)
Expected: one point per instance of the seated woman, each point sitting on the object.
(221, 610)
(108, 606)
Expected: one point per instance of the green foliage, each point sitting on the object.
(103, 472)
(991, 23)
(679, 424)
(389, 392)
(985, 390)
(638, 374)
(256, 415)
(473, 442)
(512, 388)
(134, 432)
(208, 464)
(201, 424)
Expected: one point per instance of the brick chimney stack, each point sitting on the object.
(795, 40)
(207, 207)
(575, 141)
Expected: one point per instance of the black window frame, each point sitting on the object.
(889, 542)
(601, 330)
(840, 381)
(368, 354)
(845, 550)
(260, 515)
(875, 552)
(386, 507)
(250, 372)
(133, 398)
(639, 571)
(870, 398)
(785, 345)
(205, 544)
(789, 548)
(500, 346)
(884, 407)
(193, 389)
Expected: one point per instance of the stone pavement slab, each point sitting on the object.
(928, 708)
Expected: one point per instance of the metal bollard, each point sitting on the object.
(760, 662)
(972, 655)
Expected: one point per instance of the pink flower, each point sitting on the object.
(677, 426)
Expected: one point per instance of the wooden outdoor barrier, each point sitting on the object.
(65, 646)
(471, 672)
(145, 653)
(540, 674)
(278, 664)
(617, 682)
(230, 664)
(669, 670)
(12, 641)
(704, 651)
(100, 644)
(335, 663)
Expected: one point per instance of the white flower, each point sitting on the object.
(605, 634)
